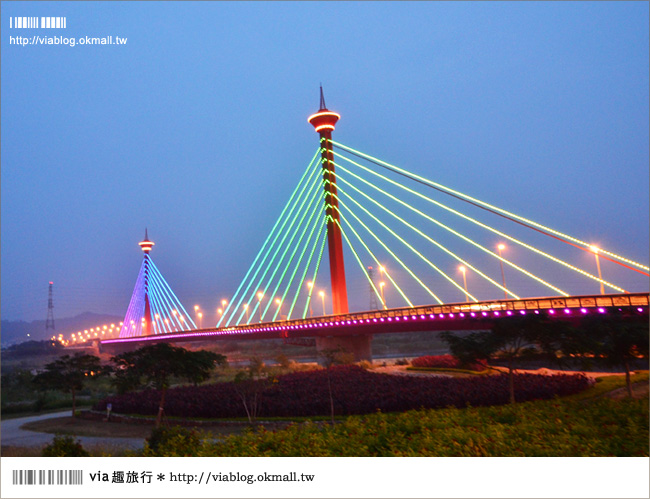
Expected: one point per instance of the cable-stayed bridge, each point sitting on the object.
(446, 261)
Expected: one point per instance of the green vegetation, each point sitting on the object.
(64, 446)
(605, 427)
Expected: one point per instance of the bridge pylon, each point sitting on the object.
(323, 122)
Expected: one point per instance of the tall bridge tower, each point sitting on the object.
(323, 122)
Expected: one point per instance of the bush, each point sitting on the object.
(354, 391)
(447, 362)
(402, 362)
(64, 446)
(173, 441)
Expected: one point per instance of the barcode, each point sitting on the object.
(48, 477)
(38, 22)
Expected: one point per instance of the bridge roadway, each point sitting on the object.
(449, 317)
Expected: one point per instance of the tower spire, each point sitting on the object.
(323, 107)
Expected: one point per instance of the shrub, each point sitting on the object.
(64, 446)
(402, 362)
(447, 362)
(173, 441)
(354, 391)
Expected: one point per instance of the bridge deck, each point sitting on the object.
(454, 316)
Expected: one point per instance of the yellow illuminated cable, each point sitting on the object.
(492, 207)
(487, 227)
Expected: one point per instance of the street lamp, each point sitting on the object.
(310, 285)
(260, 295)
(246, 308)
(501, 247)
(224, 303)
(381, 287)
(595, 249)
(322, 295)
(200, 320)
(279, 302)
(196, 313)
(463, 270)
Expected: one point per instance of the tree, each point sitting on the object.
(69, 373)
(331, 357)
(614, 339)
(157, 364)
(510, 338)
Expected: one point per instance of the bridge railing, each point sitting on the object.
(546, 303)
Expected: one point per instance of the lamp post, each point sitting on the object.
(224, 303)
(322, 296)
(464, 270)
(260, 295)
(595, 249)
(278, 301)
(200, 320)
(246, 309)
(381, 287)
(196, 313)
(310, 286)
(501, 247)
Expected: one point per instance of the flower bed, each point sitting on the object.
(355, 391)
(446, 362)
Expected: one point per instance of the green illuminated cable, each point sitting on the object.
(304, 273)
(313, 280)
(410, 304)
(296, 246)
(492, 207)
(286, 206)
(378, 239)
(305, 191)
(363, 267)
(314, 200)
(532, 248)
(446, 250)
(311, 193)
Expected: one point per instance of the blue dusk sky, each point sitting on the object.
(196, 129)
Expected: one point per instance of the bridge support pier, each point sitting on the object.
(360, 346)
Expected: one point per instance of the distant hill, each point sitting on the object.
(13, 332)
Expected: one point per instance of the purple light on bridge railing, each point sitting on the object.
(451, 316)
(382, 319)
(349, 322)
(422, 317)
(567, 311)
(509, 312)
(640, 309)
(462, 314)
(431, 316)
(522, 312)
(414, 317)
(398, 318)
(390, 319)
(601, 310)
(551, 311)
(406, 317)
(484, 314)
(473, 314)
(442, 316)
(583, 310)
(496, 313)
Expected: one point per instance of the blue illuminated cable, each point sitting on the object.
(135, 304)
(167, 289)
(166, 301)
(161, 289)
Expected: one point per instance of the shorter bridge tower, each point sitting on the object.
(154, 308)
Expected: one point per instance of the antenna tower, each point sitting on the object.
(49, 322)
